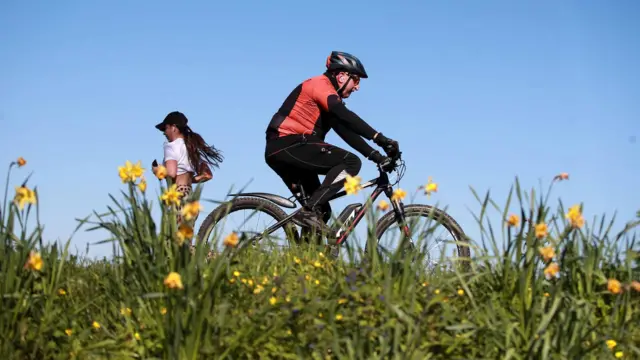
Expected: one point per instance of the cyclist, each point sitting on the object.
(295, 147)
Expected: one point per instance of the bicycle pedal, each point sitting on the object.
(334, 251)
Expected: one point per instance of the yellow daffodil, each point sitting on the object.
(23, 196)
(191, 210)
(614, 286)
(34, 262)
(171, 196)
(574, 215)
(130, 172)
(398, 195)
(352, 184)
(231, 240)
(541, 230)
(513, 220)
(184, 232)
(161, 172)
(551, 270)
(430, 187)
(547, 253)
(173, 281)
(561, 176)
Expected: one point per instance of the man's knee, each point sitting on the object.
(353, 164)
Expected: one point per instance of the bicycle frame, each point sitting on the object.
(382, 185)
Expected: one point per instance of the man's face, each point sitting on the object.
(353, 84)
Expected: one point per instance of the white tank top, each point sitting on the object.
(177, 150)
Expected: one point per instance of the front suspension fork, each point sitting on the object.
(398, 210)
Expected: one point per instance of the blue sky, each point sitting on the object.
(475, 92)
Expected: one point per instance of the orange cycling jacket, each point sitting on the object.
(312, 108)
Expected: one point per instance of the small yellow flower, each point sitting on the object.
(34, 262)
(611, 344)
(307, 277)
(258, 289)
(574, 215)
(342, 301)
(68, 332)
(142, 185)
(184, 232)
(287, 298)
(62, 292)
(317, 282)
(437, 291)
(21, 161)
(338, 317)
(171, 196)
(161, 172)
(236, 273)
(96, 325)
(430, 187)
(383, 205)
(317, 264)
(231, 240)
(546, 294)
(513, 220)
(273, 300)
(296, 260)
(23, 196)
(191, 210)
(352, 184)
(547, 253)
(250, 282)
(460, 292)
(561, 176)
(137, 336)
(173, 281)
(551, 270)
(125, 311)
(619, 354)
(398, 195)
(614, 286)
(425, 284)
(130, 172)
(541, 230)
(163, 310)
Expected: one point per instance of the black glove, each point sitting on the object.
(385, 162)
(390, 146)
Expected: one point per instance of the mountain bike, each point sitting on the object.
(351, 215)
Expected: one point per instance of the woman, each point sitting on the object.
(183, 151)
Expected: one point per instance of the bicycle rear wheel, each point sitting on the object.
(415, 212)
(257, 208)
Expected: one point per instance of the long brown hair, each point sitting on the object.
(198, 149)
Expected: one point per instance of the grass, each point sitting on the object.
(577, 298)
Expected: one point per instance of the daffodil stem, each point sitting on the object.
(6, 192)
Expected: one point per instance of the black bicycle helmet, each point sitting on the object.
(342, 61)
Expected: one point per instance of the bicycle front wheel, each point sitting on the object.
(425, 238)
(235, 216)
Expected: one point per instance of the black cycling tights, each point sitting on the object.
(300, 160)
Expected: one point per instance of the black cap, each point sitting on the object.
(173, 118)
